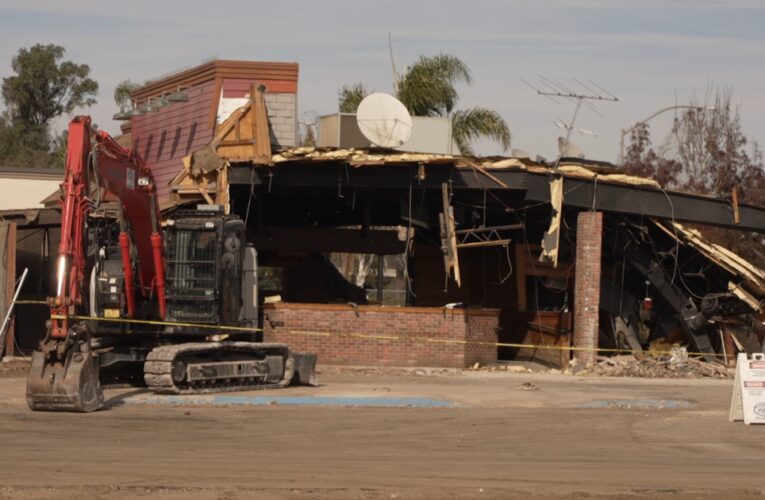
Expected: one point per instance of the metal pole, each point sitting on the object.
(380, 270)
(621, 147)
(568, 133)
(8, 313)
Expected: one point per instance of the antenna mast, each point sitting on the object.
(557, 89)
(396, 77)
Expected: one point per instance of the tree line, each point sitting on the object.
(707, 152)
(44, 87)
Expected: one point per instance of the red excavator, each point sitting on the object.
(139, 303)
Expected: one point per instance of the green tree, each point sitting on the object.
(122, 93)
(44, 88)
(350, 96)
(428, 88)
(58, 149)
(470, 124)
(21, 146)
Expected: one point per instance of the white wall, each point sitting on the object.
(25, 193)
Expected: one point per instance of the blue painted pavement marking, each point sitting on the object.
(285, 400)
(639, 404)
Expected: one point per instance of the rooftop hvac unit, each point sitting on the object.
(429, 135)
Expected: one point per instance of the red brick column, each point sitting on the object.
(589, 238)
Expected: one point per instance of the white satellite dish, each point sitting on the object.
(384, 121)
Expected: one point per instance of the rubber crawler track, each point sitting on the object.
(159, 364)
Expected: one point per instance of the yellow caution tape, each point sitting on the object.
(159, 323)
(307, 332)
(491, 344)
(375, 337)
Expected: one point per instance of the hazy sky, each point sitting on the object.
(650, 54)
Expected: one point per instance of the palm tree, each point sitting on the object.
(428, 89)
(350, 96)
(470, 124)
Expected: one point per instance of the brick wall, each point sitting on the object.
(385, 336)
(589, 237)
(281, 103)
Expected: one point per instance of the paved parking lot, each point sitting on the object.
(370, 434)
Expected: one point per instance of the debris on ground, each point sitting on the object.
(528, 386)
(670, 365)
(673, 364)
(13, 367)
(526, 367)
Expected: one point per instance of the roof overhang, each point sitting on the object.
(589, 186)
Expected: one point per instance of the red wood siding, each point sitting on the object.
(164, 137)
(239, 87)
(247, 70)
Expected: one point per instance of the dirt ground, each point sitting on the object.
(498, 435)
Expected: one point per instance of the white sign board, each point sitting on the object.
(748, 402)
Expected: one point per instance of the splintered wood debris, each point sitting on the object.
(550, 241)
(752, 288)
(371, 157)
(357, 157)
(657, 366)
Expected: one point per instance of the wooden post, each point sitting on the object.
(730, 347)
(10, 285)
(734, 202)
(520, 274)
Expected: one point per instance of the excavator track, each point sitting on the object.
(212, 367)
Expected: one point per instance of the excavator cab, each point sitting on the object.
(204, 255)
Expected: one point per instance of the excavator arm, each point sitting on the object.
(123, 173)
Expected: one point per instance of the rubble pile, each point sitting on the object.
(10, 367)
(656, 366)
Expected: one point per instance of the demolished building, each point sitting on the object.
(627, 271)
(467, 260)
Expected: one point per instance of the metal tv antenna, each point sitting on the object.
(587, 97)
(396, 77)
(307, 126)
(559, 123)
(582, 95)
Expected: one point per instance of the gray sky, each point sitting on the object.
(650, 54)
